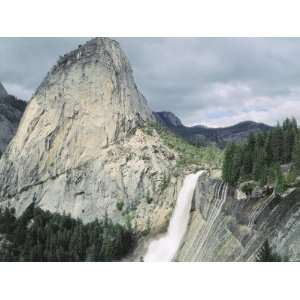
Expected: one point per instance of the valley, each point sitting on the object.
(89, 172)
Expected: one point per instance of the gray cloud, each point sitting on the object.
(25, 61)
(213, 81)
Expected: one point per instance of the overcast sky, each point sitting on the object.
(209, 81)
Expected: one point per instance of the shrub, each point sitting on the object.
(248, 187)
(120, 205)
(149, 199)
(291, 177)
(164, 182)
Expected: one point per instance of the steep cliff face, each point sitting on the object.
(168, 119)
(11, 111)
(3, 91)
(227, 226)
(79, 149)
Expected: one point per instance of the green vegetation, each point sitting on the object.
(291, 177)
(42, 236)
(260, 156)
(265, 254)
(296, 155)
(120, 205)
(248, 187)
(279, 183)
(188, 153)
(149, 199)
(164, 182)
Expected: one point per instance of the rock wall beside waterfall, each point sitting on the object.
(166, 247)
(225, 227)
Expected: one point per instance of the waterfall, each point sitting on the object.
(165, 248)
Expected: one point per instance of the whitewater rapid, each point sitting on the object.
(165, 248)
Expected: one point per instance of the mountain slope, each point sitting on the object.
(201, 135)
(79, 148)
(3, 91)
(11, 111)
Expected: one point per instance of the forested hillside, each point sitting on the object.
(42, 236)
(259, 158)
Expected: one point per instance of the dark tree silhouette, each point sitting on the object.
(42, 236)
(259, 156)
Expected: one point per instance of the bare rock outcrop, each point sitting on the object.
(3, 91)
(79, 148)
(226, 227)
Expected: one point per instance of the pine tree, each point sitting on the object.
(263, 180)
(289, 129)
(247, 166)
(249, 153)
(236, 164)
(231, 161)
(259, 162)
(296, 156)
(276, 143)
(268, 150)
(279, 179)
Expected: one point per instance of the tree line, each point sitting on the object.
(260, 156)
(42, 236)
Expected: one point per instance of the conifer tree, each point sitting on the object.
(289, 128)
(296, 156)
(268, 150)
(228, 166)
(279, 179)
(276, 143)
(259, 162)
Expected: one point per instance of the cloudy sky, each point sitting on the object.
(210, 81)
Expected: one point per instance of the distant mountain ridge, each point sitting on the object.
(202, 135)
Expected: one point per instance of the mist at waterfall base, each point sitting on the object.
(165, 248)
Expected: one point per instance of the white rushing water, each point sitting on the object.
(165, 248)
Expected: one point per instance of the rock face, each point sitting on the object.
(79, 149)
(201, 135)
(3, 91)
(11, 111)
(226, 227)
(168, 119)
